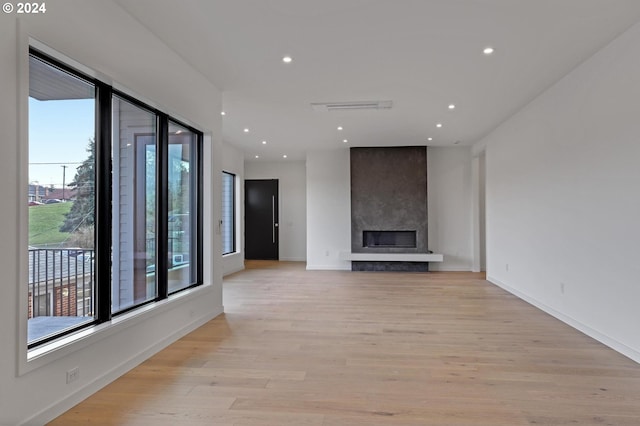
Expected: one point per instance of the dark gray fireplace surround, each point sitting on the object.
(389, 205)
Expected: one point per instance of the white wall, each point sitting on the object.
(328, 209)
(562, 198)
(291, 177)
(233, 162)
(101, 36)
(449, 208)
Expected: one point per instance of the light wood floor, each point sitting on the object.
(320, 348)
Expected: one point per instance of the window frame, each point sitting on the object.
(233, 214)
(60, 65)
(195, 204)
(104, 95)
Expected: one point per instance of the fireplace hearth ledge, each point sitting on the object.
(391, 257)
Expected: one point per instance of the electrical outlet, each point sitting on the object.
(73, 375)
(326, 253)
(506, 267)
(562, 288)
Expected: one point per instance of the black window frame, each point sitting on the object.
(104, 94)
(233, 215)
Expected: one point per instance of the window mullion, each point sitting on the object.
(103, 202)
(162, 206)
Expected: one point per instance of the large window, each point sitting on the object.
(228, 213)
(114, 202)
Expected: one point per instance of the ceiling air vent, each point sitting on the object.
(348, 106)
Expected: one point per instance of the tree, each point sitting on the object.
(81, 216)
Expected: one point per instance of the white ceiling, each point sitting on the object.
(421, 54)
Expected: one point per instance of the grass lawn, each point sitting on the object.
(45, 222)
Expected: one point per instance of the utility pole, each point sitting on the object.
(37, 184)
(64, 171)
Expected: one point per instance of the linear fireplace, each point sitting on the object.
(404, 239)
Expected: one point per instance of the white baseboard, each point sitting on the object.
(439, 267)
(234, 270)
(57, 408)
(594, 334)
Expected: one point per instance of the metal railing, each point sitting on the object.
(61, 282)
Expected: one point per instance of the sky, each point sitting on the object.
(59, 134)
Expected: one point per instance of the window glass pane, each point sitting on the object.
(182, 238)
(61, 198)
(134, 205)
(228, 213)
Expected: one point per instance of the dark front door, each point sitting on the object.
(261, 219)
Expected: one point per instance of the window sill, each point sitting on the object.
(57, 349)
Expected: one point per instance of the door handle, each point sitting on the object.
(273, 219)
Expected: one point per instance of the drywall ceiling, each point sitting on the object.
(422, 55)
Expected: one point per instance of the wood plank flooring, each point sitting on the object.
(328, 348)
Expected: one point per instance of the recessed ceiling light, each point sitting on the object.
(439, 125)
(452, 106)
(178, 132)
(246, 130)
(488, 50)
(345, 140)
(339, 127)
(223, 113)
(429, 139)
(284, 156)
(287, 59)
(264, 142)
(257, 156)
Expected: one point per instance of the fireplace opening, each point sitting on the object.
(405, 239)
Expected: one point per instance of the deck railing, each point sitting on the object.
(61, 282)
